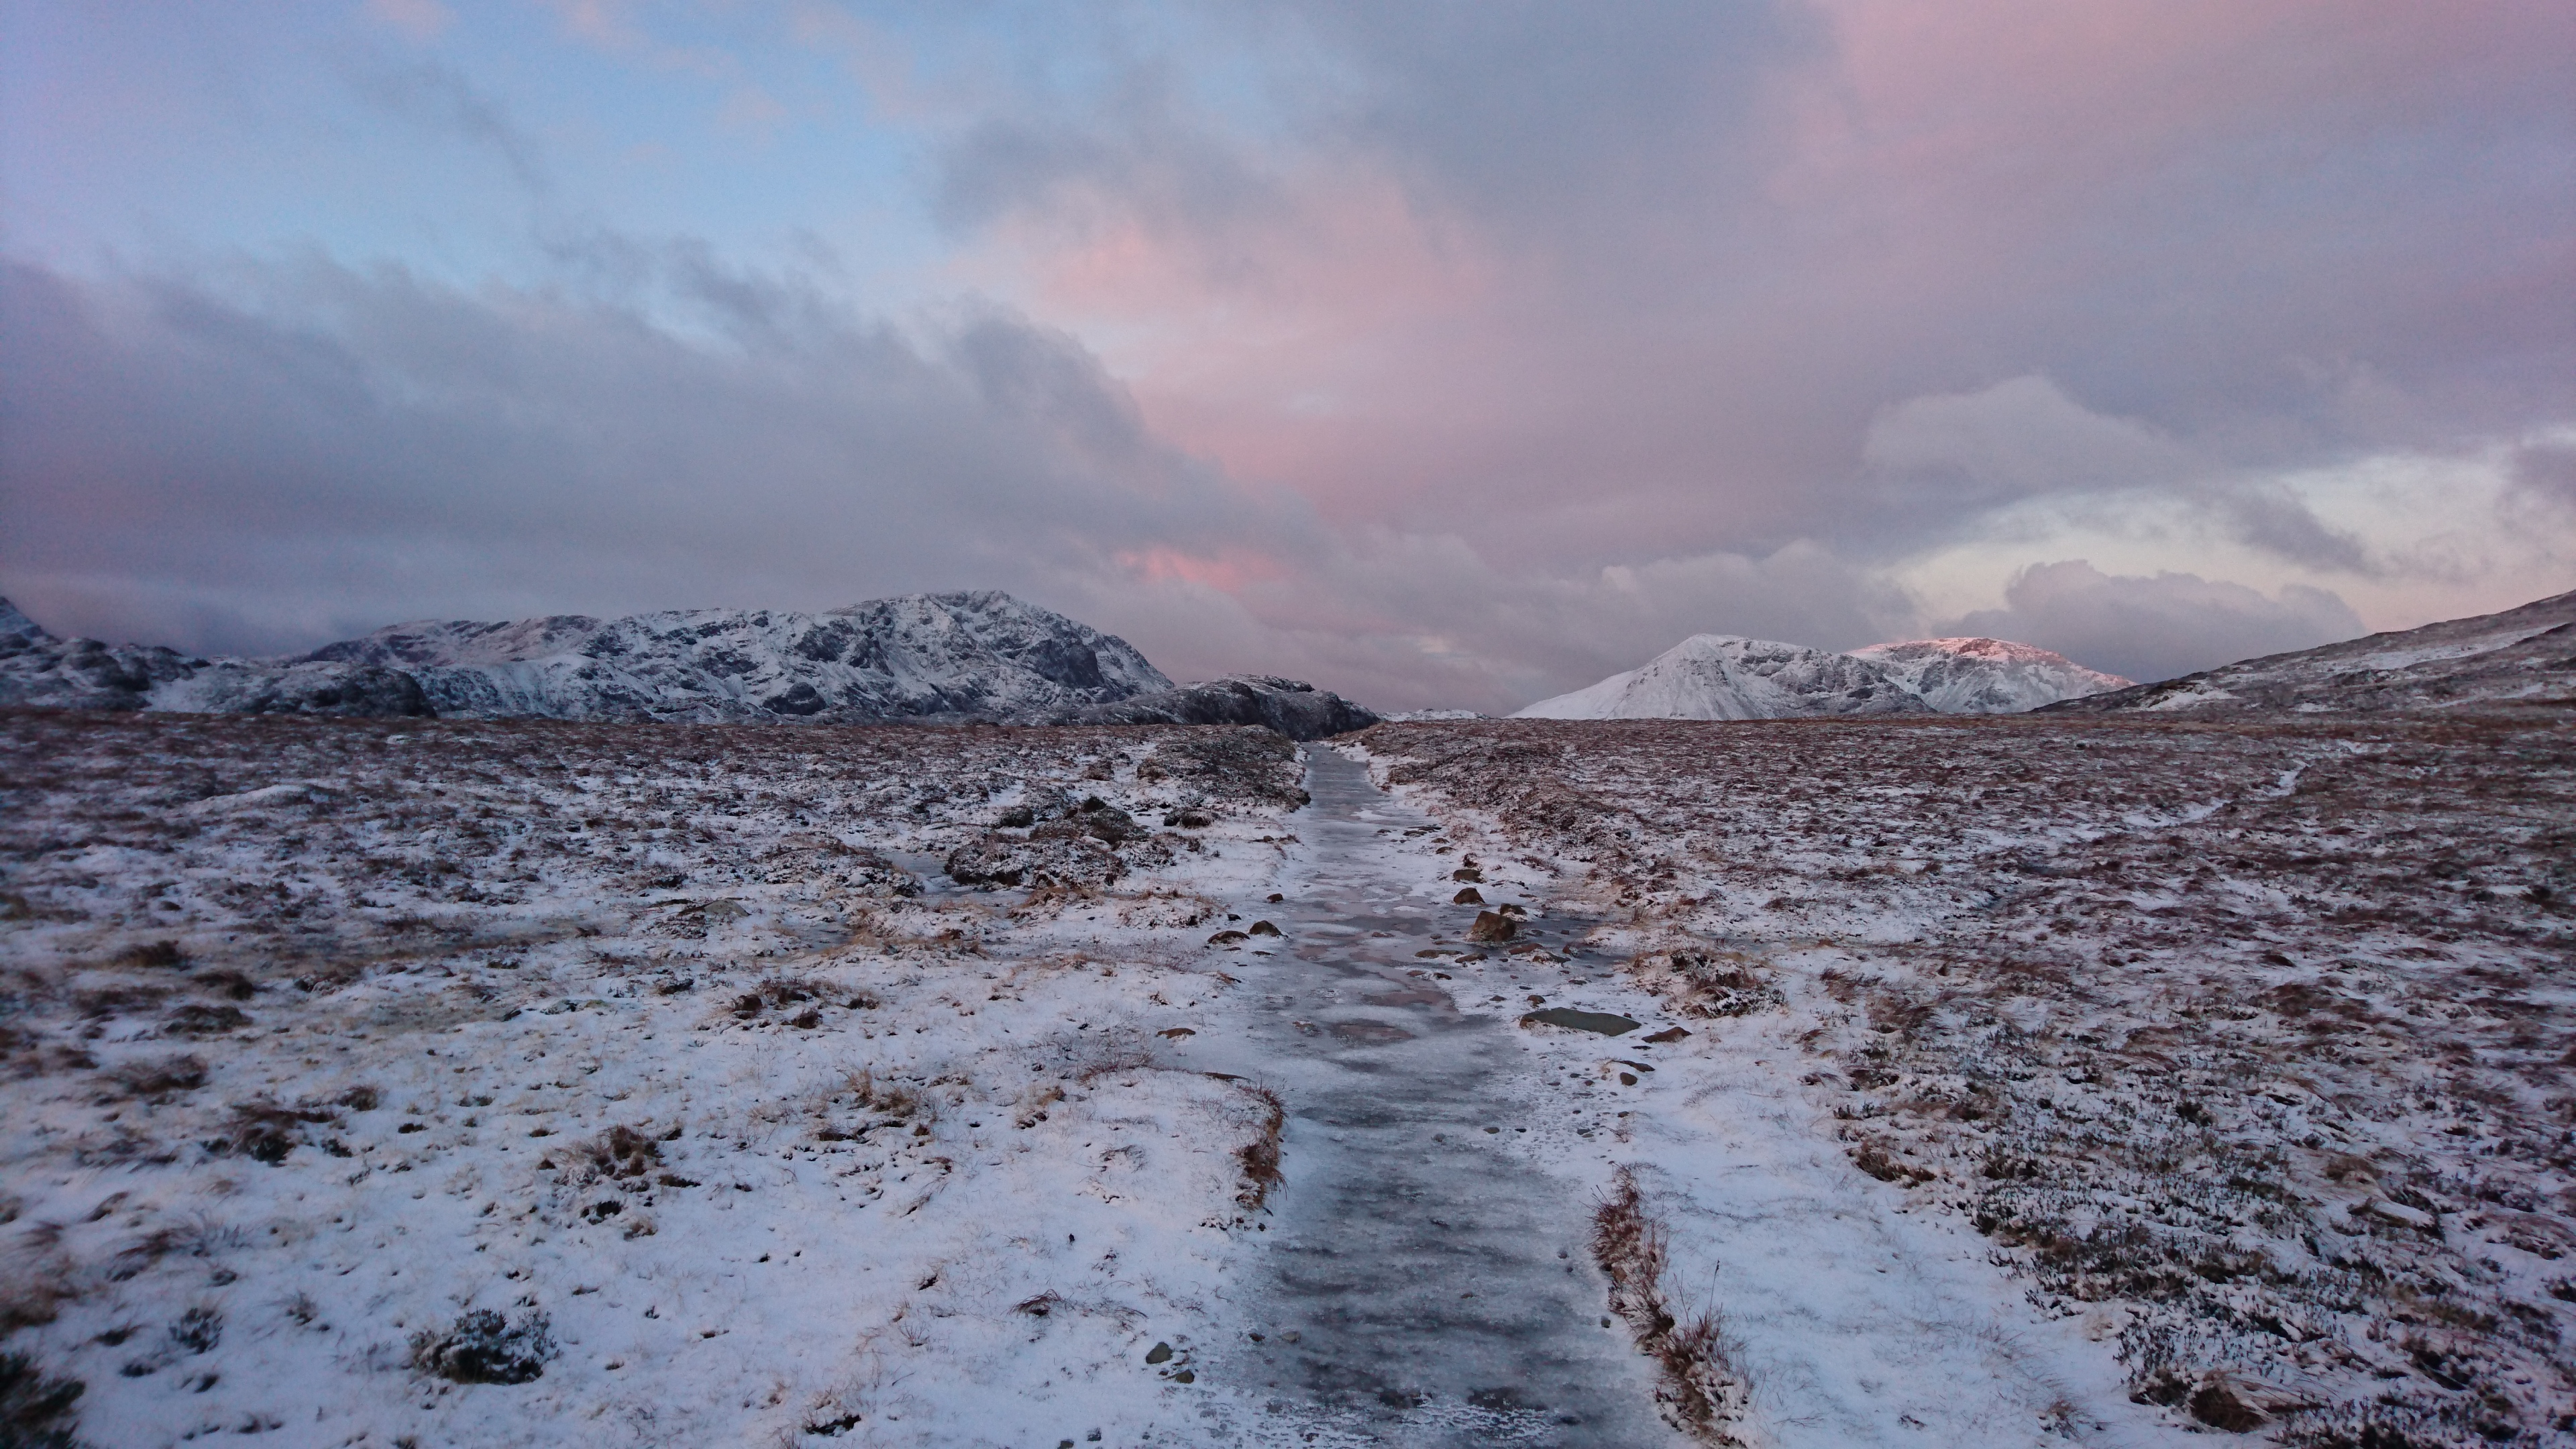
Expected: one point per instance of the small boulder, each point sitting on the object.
(1264, 928)
(1467, 896)
(1468, 873)
(1492, 926)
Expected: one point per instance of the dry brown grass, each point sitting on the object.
(2132, 995)
(1704, 1390)
(1260, 1156)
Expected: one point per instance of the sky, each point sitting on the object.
(1444, 354)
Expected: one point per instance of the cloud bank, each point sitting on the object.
(1442, 353)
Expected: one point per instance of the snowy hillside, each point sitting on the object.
(981, 653)
(1986, 676)
(2521, 656)
(921, 655)
(1726, 676)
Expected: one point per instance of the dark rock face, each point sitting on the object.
(233, 687)
(1292, 707)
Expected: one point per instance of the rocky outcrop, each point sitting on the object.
(38, 669)
(923, 656)
(1292, 707)
(978, 655)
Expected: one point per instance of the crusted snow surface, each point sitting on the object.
(2243, 1052)
(377, 1082)
(1856, 1320)
(981, 653)
(1727, 676)
(1986, 676)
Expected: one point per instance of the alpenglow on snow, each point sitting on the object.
(1730, 677)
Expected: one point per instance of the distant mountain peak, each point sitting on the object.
(1730, 676)
(1986, 676)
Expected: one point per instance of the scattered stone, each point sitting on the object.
(1227, 938)
(1467, 896)
(1492, 926)
(1264, 928)
(1159, 1353)
(1670, 1033)
(1176, 1032)
(1467, 872)
(1606, 1023)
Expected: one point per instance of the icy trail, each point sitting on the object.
(1430, 1283)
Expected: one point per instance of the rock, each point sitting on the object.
(1175, 1033)
(1227, 938)
(1492, 926)
(2399, 1214)
(1071, 858)
(2218, 1404)
(1159, 1353)
(1467, 896)
(1670, 1033)
(1292, 707)
(1264, 928)
(1468, 872)
(1606, 1023)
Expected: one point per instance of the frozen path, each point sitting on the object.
(1429, 1281)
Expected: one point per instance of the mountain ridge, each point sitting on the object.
(2525, 655)
(1733, 677)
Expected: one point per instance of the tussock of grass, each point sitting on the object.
(1704, 1391)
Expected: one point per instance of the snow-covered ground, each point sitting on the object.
(2245, 1051)
(1993, 1082)
(668, 1046)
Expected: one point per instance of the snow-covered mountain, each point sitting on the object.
(1986, 676)
(1727, 676)
(2523, 656)
(983, 653)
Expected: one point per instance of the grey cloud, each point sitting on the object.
(2157, 627)
(2546, 470)
(2267, 516)
(1700, 320)
(1959, 454)
(2020, 437)
(435, 94)
(305, 450)
(1136, 151)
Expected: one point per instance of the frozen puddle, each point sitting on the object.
(1427, 1277)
